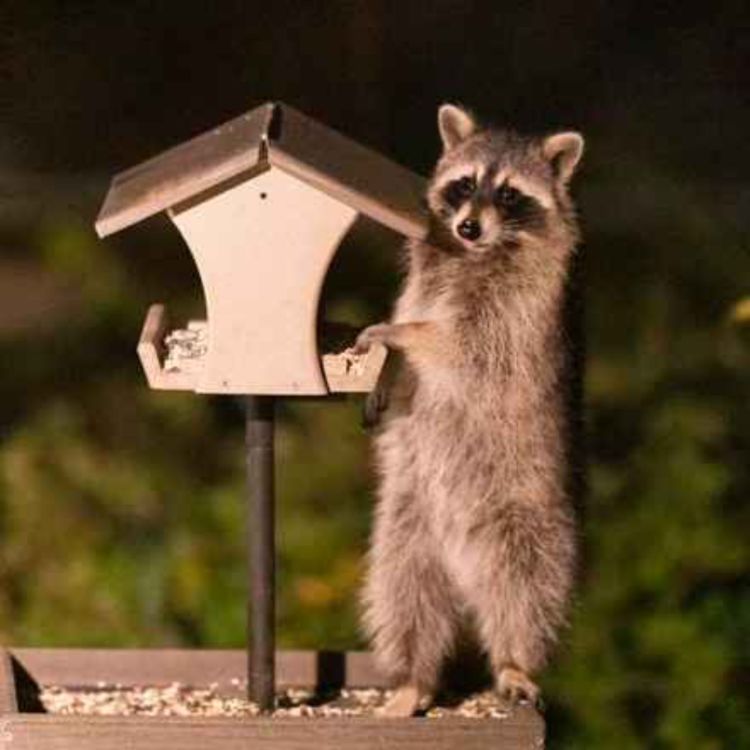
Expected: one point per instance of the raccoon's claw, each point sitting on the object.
(368, 337)
(404, 702)
(516, 687)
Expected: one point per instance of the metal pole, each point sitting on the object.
(259, 429)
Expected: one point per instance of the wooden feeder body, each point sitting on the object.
(263, 202)
(263, 248)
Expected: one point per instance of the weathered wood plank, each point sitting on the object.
(523, 730)
(89, 667)
(8, 699)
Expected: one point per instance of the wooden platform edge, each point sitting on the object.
(522, 730)
(225, 668)
(8, 699)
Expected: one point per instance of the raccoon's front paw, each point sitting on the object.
(369, 336)
(516, 686)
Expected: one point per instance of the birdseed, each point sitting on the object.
(180, 700)
(185, 347)
(346, 363)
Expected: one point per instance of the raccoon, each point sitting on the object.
(474, 525)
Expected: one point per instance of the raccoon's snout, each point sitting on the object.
(469, 229)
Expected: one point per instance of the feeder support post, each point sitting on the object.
(259, 435)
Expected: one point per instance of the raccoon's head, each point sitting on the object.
(496, 190)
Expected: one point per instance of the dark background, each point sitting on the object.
(121, 510)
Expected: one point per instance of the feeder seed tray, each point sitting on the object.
(194, 700)
(173, 359)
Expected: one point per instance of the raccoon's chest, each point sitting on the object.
(423, 302)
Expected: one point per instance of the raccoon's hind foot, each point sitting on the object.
(516, 686)
(405, 701)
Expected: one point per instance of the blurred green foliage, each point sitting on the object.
(122, 510)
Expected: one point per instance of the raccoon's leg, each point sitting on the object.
(411, 615)
(409, 604)
(410, 609)
(522, 575)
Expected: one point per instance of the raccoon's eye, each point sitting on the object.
(459, 191)
(465, 186)
(507, 196)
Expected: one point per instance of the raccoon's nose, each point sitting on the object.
(469, 229)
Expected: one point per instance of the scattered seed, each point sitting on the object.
(180, 700)
(186, 346)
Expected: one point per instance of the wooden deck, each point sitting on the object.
(23, 727)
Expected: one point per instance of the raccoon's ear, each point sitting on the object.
(563, 151)
(455, 125)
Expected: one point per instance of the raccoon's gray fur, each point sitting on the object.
(473, 522)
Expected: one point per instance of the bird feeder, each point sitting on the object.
(263, 203)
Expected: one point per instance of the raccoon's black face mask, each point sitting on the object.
(484, 211)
